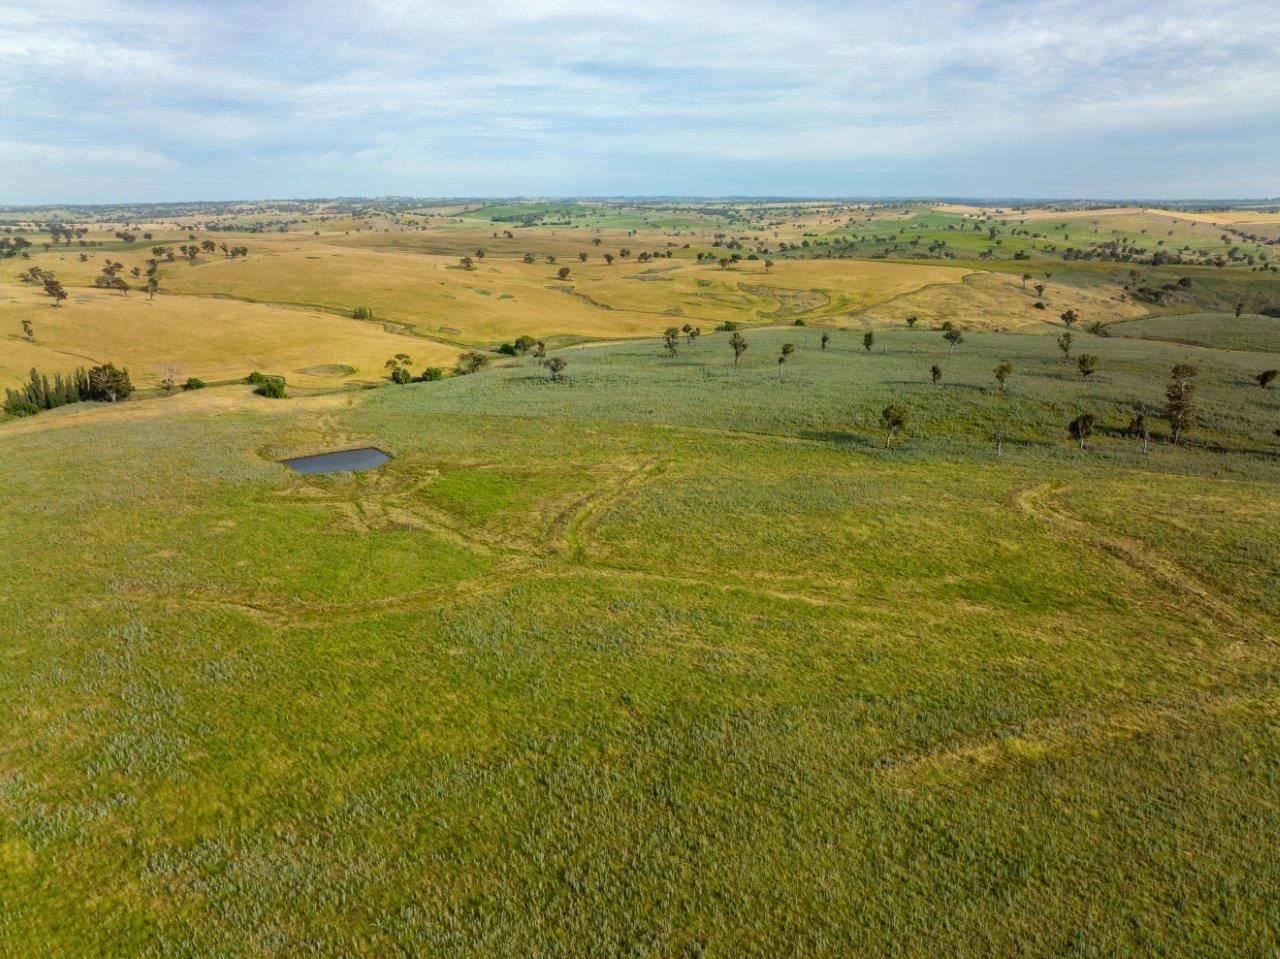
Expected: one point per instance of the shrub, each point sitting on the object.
(401, 375)
(256, 378)
(271, 387)
(1039, 305)
(728, 326)
(193, 383)
(508, 349)
(362, 313)
(431, 374)
(798, 323)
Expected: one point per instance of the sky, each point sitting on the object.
(138, 100)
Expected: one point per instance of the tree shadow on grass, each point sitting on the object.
(840, 438)
(944, 385)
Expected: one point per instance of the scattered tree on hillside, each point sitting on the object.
(1002, 374)
(540, 352)
(1087, 364)
(1138, 428)
(106, 383)
(868, 340)
(911, 321)
(466, 263)
(1081, 428)
(471, 362)
(398, 366)
(1180, 408)
(28, 331)
(1069, 317)
(784, 355)
(608, 259)
(894, 419)
(935, 373)
(739, 344)
(582, 257)
(1239, 310)
(1064, 344)
(671, 340)
(768, 265)
(1265, 378)
(556, 365)
(1025, 277)
(1039, 288)
(563, 273)
(53, 288)
(153, 284)
(954, 338)
(826, 338)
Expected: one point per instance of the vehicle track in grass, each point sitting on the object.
(1037, 502)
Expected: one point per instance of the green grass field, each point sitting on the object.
(671, 659)
(1223, 331)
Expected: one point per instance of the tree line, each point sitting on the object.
(103, 384)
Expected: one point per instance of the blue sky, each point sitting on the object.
(117, 100)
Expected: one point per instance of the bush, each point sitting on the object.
(193, 383)
(431, 374)
(1039, 305)
(728, 326)
(271, 387)
(255, 378)
(362, 313)
(507, 349)
(401, 375)
(798, 323)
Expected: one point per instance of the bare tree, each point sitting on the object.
(169, 373)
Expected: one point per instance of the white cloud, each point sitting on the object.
(249, 85)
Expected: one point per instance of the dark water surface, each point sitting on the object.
(344, 461)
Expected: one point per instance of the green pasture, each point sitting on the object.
(671, 659)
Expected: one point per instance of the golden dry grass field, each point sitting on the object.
(279, 308)
(213, 339)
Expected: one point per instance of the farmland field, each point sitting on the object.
(1221, 330)
(673, 653)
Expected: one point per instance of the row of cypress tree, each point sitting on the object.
(103, 383)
